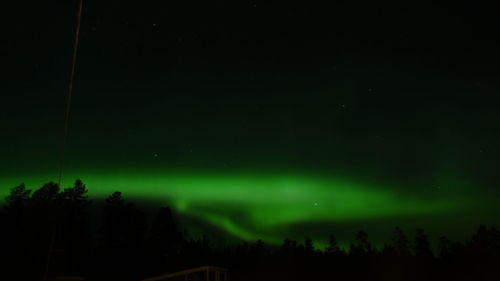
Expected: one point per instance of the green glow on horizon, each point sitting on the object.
(252, 206)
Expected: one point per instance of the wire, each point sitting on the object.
(70, 92)
(66, 126)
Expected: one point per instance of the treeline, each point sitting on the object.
(50, 232)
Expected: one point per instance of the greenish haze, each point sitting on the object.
(252, 206)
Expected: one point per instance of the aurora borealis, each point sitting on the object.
(261, 206)
(263, 122)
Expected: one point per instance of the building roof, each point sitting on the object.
(184, 272)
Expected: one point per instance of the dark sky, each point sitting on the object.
(348, 103)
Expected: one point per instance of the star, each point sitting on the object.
(155, 155)
(316, 204)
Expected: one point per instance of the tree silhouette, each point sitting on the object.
(444, 247)
(45, 220)
(122, 233)
(73, 233)
(50, 228)
(332, 247)
(422, 246)
(75, 198)
(15, 232)
(197, 252)
(258, 249)
(17, 199)
(308, 246)
(424, 257)
(46, 195)
(164, 242)
(362, 246)
(400, 242)
(289, 247)
(484, 251)
(32, 220)
(123, 224)
(485, 242)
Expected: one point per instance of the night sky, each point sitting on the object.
(260, 120)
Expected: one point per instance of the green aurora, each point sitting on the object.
(253, 206)
(262, 123)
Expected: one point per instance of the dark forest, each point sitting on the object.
(277, 141)
(47, 233)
